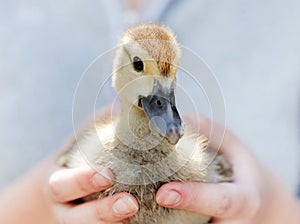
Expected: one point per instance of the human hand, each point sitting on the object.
(255, 196)
(45, 193)
(67, 185)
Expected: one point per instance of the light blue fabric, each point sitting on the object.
(253, 47)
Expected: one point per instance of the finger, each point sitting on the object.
(70, 184)
(107, 210)
(217, 200)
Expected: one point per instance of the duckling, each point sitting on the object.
(145, 145)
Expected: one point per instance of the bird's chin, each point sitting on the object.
(173, 140)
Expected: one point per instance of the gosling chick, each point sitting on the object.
(145, 146)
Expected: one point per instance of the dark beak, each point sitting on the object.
(161, 111)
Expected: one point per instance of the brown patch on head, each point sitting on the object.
(160, 43)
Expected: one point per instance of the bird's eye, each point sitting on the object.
(138, 64)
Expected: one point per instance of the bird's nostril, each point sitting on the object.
(171, 130)
(158, 102)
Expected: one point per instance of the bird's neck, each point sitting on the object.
(133, 129)
(135, 142)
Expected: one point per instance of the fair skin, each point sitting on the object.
(255, 196)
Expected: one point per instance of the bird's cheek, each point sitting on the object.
(135, 88)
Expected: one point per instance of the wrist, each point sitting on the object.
(24, 200)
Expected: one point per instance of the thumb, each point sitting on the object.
(222, 200)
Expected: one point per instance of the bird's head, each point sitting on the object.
(144, 76)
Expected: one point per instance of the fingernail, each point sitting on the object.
(124, 206)
(102, 178)
(168, 198)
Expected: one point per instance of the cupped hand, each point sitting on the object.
(66, 185)
(256, 196)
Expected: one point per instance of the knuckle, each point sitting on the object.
(82, 187)
(99, 214)
(224, 205)
(55, 190)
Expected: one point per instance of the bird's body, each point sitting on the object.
(142, 153)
